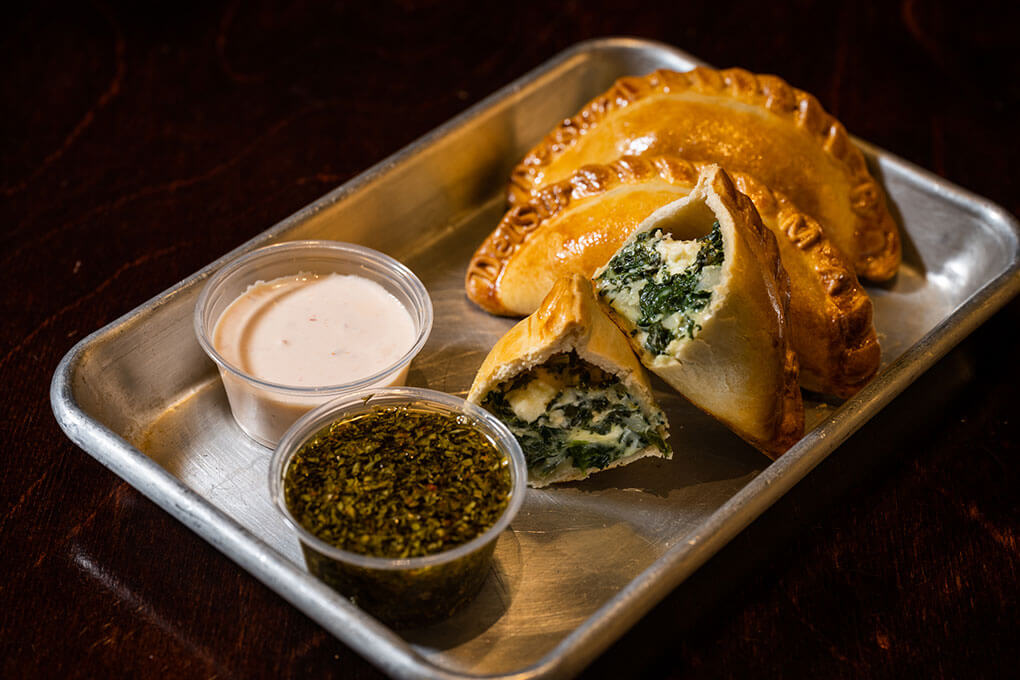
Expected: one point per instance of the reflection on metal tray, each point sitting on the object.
(584, 560)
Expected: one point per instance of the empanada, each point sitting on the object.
(566, 382)
(700, 291)
(574, 226)
(747, 123)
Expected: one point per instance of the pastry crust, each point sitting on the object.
(739, 367)
(756, 124)
(570, 319)
(570, 227)
(576, 225)
(830, 315)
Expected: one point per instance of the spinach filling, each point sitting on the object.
(589, 418)
(666, 302)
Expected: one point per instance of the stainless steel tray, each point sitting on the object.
(585, 560)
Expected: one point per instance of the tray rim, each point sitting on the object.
(376, 642)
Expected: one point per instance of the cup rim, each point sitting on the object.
(354, 251)
(366, 400)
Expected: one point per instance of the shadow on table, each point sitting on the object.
(700, 608)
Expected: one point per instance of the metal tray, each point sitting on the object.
(584, 560)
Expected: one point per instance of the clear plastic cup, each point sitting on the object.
(408, 591)
(264, 410)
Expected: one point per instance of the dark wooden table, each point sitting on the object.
(138, 145)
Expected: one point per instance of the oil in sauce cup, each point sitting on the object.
(264, 403)
(406, 591)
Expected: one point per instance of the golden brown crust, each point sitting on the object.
(485, 271)
(739, 367)
(569, 320)
(830, 313)
(789, 413)
(858, 221)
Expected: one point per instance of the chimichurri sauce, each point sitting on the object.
(398, 482)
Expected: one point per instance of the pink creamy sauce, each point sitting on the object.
(314, 331)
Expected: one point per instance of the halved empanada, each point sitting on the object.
(566, 382)
(576, 225)
(701, 293)
(746, 123)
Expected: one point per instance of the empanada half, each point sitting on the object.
(576, 225)
(566, 382)
(756, 124)
(700, 292)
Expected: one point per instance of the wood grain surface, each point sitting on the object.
(143, 140)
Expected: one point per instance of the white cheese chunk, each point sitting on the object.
(531, 401)
(711, 277)
(677, 255)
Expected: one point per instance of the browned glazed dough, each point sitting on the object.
(574, 227)
(747, 123)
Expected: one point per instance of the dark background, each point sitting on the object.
(139, 144)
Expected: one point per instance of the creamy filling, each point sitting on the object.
(567, 410)
(663, 288)
(314, 331)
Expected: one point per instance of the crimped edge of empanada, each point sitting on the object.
(769, 92)
(850, 308)
(484, 271)
(570, 319)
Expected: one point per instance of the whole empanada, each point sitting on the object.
(566, 382)
(700, 292)
(574, 226)
(747, 123)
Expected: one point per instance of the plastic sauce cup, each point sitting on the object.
(263, 409)
(407, 591)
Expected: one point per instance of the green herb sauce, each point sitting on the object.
(666, 302)
(398, 482)
(589, 418)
